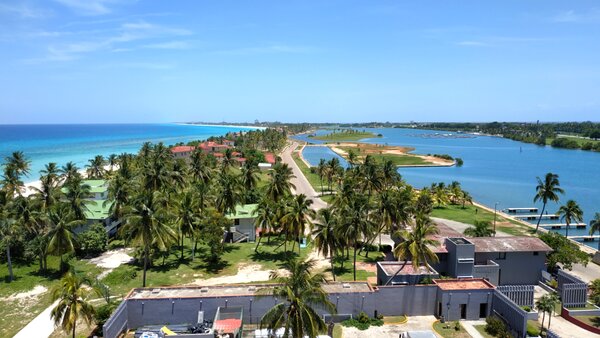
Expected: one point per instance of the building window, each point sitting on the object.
(236, 221)
(535, 253)
(502, 255)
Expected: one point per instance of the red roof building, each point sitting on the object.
(270, 158)
(182, 151)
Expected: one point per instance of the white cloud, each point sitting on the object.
(473, 44)
(90, 7)
(269, 49)
(572, 16)
(170, 45)
(23, 10)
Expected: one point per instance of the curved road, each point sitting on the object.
(300, 181)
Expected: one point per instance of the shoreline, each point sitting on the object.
(218, 125)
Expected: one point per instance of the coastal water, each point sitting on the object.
(498, 170)
(79, 143)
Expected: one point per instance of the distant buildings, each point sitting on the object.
(97, 206)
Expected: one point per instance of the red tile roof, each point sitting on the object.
(227, 325)
(270, 158)
(241, 159)
(218, 155)
(182, 149)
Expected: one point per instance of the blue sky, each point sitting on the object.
(95, 61)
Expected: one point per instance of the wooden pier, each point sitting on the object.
(586, 238)
(518, 210)
(564, 225)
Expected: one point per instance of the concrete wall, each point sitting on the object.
(514, 316)
(382, 277)
(518, 268)
(522, 295)
(449, 302)
(456, 253)
(490, 272)
(117, 323)
(572, 290)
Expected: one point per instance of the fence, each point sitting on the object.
(117, 323)
(551, 334)
(515, 317)
(572, 290)
(522, 295)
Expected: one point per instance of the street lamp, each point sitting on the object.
(495, 209)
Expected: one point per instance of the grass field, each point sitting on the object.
(312, 178)
(579, 140)
(590, 320)
(447, 330)
(481, 330)
(401, 159)
(472, 213)
(15, 312)
(345, 136)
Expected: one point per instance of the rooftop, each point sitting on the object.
(96, 186)
(182, 149)
(509, 244)
(463, 284)
(390, 268)
(231, 290)
(243, 211)
(97, 210)
(270, 158)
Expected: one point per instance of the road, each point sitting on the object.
(300, 182)
(40, 326)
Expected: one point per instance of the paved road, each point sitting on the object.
(301, 183)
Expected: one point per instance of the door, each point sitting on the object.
(482, 310)
(463, 311)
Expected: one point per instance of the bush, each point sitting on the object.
(103, 312)
(563, 142)
(385, 248)
(459, 162)
(527, 308)
(553, 283)
(363, 322)
(120, 275)
(93, 241)
(457, 325)
(495, 326)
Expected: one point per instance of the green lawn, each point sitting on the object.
(312, 178)
(533, 328)
(179, 272)
(447, 330)
(590, 320)
(344, 266)
(579, 140)
(481, 330)
(345, 136)
(15, 313)
(472, 213)
(405, 160)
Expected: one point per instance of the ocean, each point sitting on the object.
(80, 142)
(496, 170)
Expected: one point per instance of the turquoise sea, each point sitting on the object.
(495, 170)
(79, 143)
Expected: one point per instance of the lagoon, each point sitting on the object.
(498, 170)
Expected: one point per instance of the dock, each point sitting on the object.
(564, 225)
(518, 210)
(586, 238)
(535, 217)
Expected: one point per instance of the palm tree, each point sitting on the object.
(249, 180)
(352, 157)
(325, 238)
(112, 160)
(146, 225)
(230, 193)
(298, 216)
(118, 195)
(19, 163)
(595, 226)
(480, 229)
(95, 168)
(546, 304)
(416, 244)
(187, 216)
(77, 195)
(321, 171)
(355, 223)
(8, 235)
(72, 297)
(265, 215)
(546, 191)
(15, 167)
(69, 172)
(280, 182)
(465, 197)
(570, 212)
(200, 170)
(299, 291)
(62, 239)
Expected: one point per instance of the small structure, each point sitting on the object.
(243, 228)
(97, 206)
(403, 273)
(465, 298)
(270, 158)
(228, 322)
(265, 166)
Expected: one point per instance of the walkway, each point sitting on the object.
(300, 181)
(469, 326)
(40, 326)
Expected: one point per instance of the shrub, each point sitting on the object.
(457, 325)
(121, 275)
(527, 308)
(385, 248)
(495, 326)
(553, 283)
(563, 142)
(363, 318)
(93, 241)
(363, 322)
(459, 162)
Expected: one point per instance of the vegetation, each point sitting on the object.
(569, 213)
(546, 304)
(595, 292)
(72, 304)
(480, 229)
(547, 190)
(362, 321)
(299, 292)
(595, 226)
(450, 330)
(496, 327)
(564, 252)
(345, 135)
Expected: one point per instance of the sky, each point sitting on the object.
(128, 61)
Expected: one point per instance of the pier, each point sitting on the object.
(518, 210)
(586, 238)
(563, 225)
(535, 217)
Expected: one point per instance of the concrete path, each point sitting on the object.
(469, 326)
(301, 183)
(41, 326)
(415, 323)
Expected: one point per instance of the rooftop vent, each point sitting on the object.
(204, 290)
(155, 291)
(252, 288)
(346, 286)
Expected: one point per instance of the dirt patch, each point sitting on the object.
(111, 260)
(321, 262)
(33, 293)
(246, 274)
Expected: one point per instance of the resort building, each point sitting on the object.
(182, 151)
(97, 206)
(243, 228)
(213, 147)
